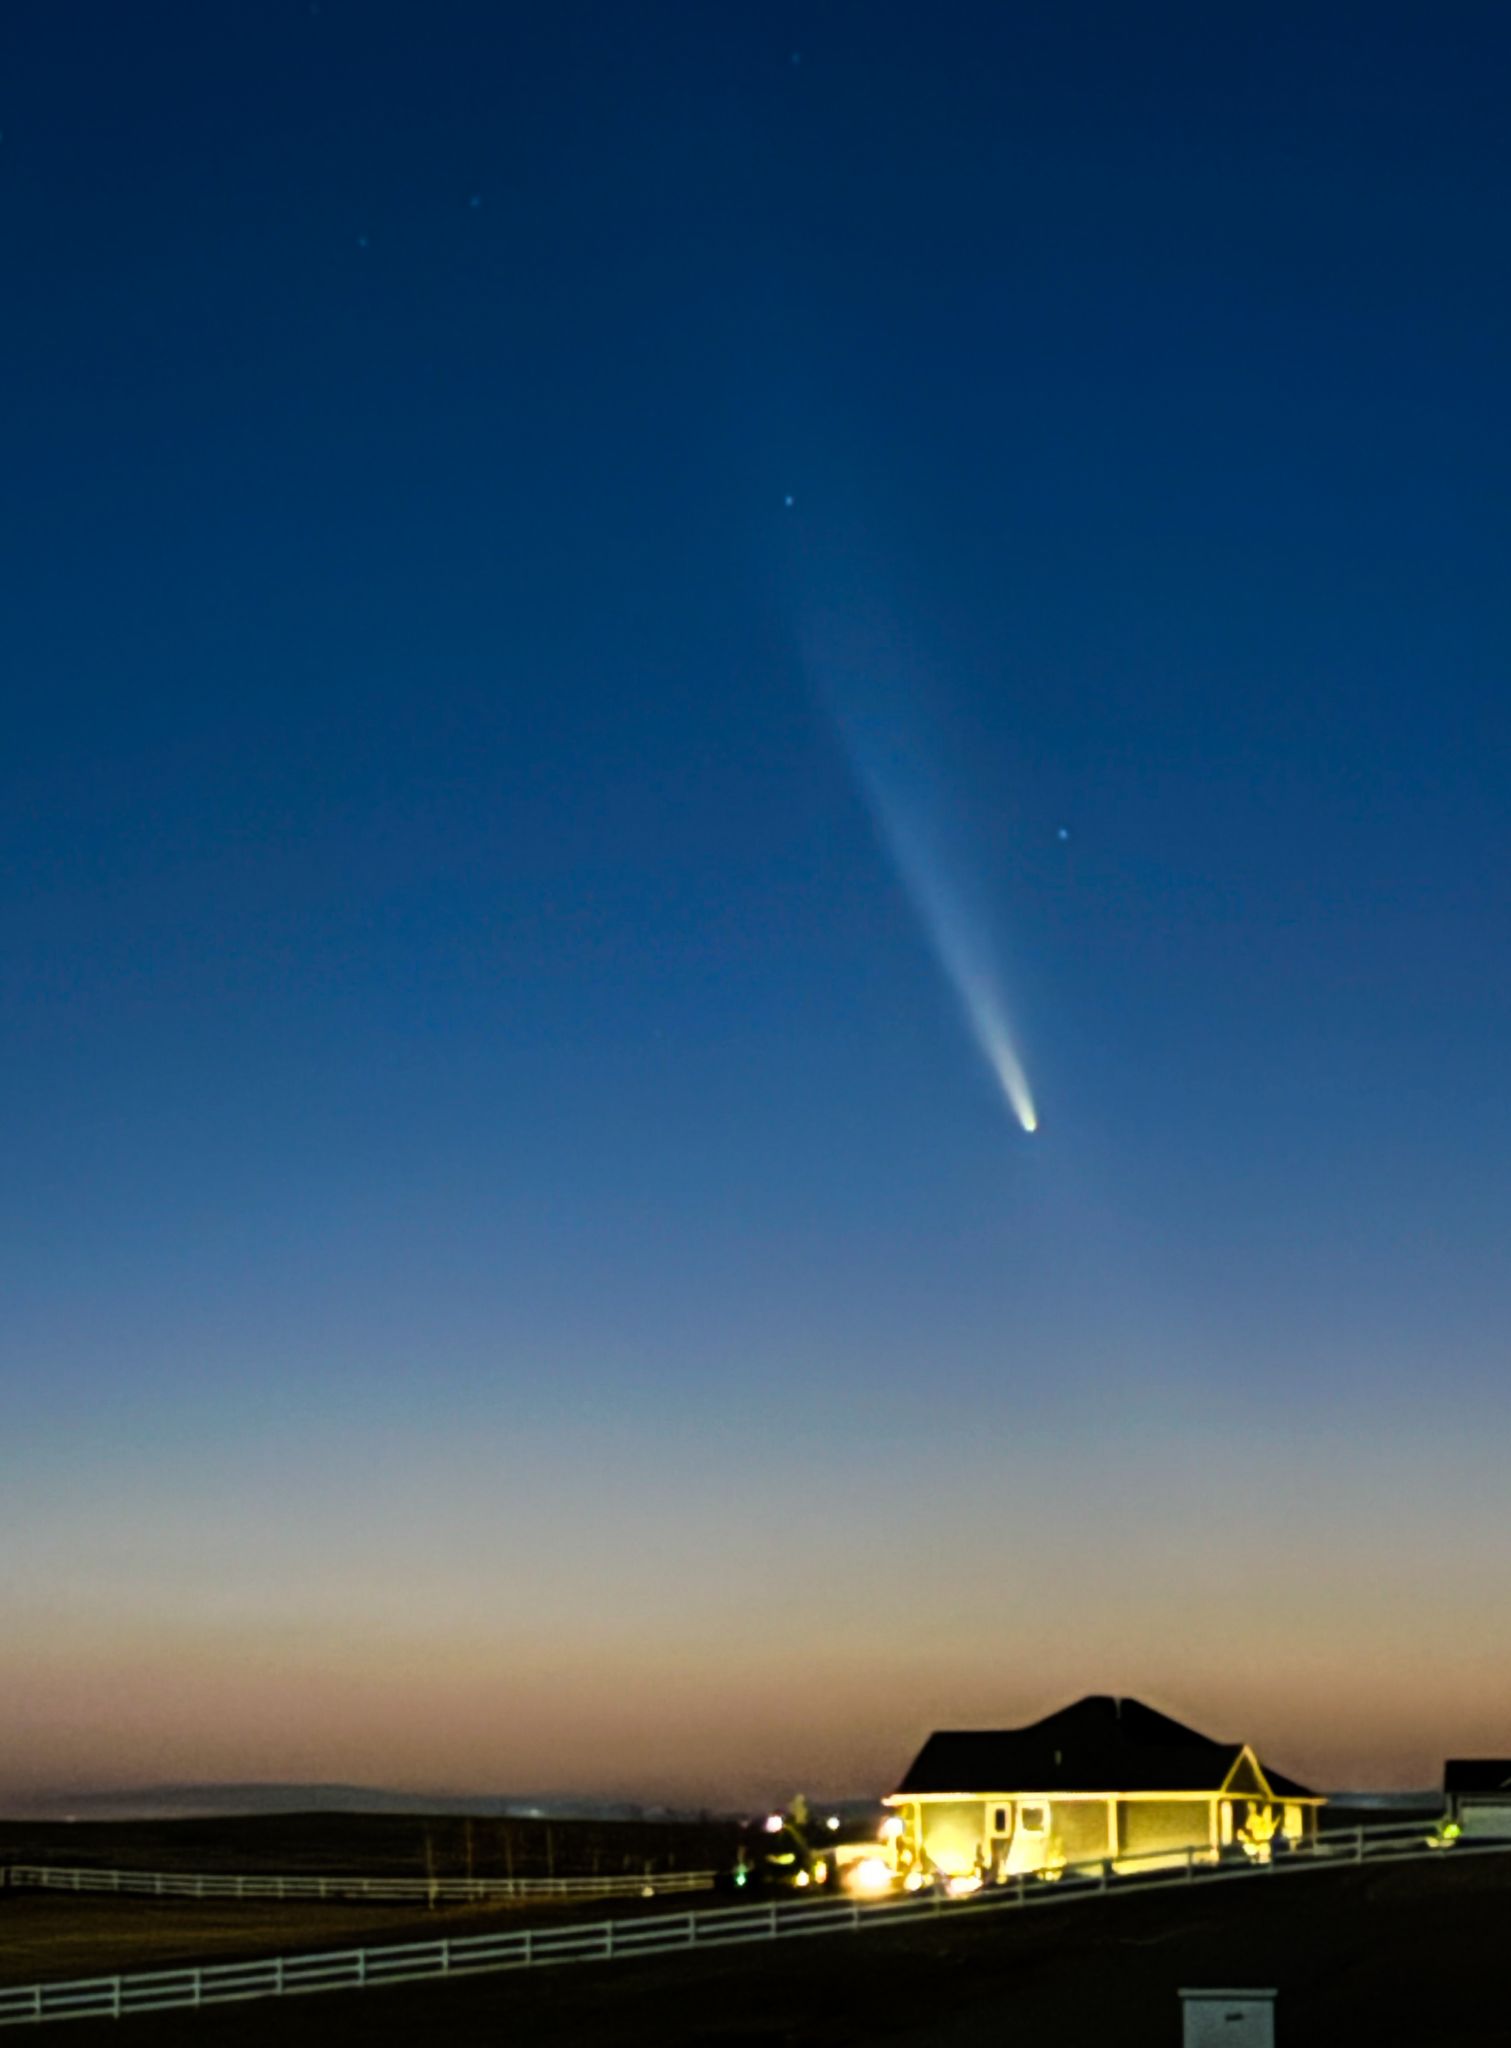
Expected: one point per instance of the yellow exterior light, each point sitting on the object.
(871, 1876)
(1257, 1835)
(891, 1827)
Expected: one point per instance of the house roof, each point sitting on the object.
(1100, 1744)
(1477, 1774)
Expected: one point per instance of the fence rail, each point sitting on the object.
(719, 1927)
(449, 1891)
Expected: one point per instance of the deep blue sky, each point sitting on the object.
(467, 1064)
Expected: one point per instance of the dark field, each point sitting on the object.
(1394, 1956)
(45, 1935)
(55, 1934)
(378, 1845)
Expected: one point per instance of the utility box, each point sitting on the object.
(1227, 2019)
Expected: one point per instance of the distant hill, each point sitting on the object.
(186, 1802)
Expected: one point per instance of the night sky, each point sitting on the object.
(560, 564)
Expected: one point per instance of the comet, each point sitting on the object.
(957, 934)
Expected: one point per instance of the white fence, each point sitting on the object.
(447, 1891)
(658, 1934)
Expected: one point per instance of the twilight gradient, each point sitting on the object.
(512, 1274)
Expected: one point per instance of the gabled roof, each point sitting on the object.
(1477, 1774)
(1288, 1788)
(1100, 1744)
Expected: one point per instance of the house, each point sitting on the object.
(1478, 1792)
(1105, 1780)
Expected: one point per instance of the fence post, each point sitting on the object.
(1190, 1866)
(445, 1958)
(1359, 1844)
(608, 1937)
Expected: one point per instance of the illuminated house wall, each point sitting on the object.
(1147, 1826)
(1103, 1780)
(949, 1829)
(1082, 1828)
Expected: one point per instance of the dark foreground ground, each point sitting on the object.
(1410, 1955)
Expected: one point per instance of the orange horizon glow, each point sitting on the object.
(461, 1607)
(450, 1721)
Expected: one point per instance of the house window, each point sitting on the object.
(1000, 1820)
(1033, 1818)
(1293, 1823)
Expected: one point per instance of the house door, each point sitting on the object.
(997, 1836)
(1029, 1847)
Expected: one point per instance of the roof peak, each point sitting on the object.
(1101, 1742)
(1123, 1715)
